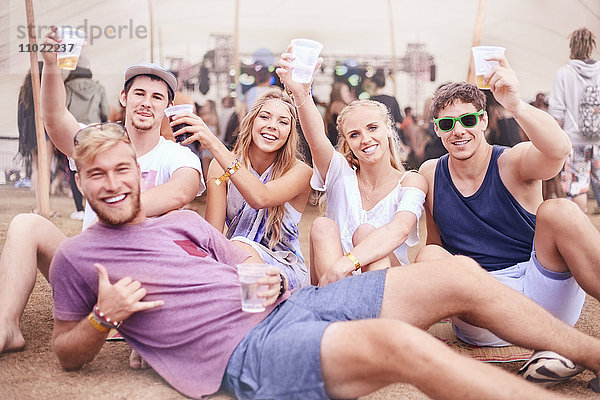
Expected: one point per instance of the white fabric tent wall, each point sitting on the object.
(533, 31)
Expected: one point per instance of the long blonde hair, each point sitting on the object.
(284, 160)
(394, 141)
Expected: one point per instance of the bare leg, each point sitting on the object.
(422, 294)
(392, 351)
(359, 235)
(432, 252)
(581, 201)
(325, 247)
(254, 256)
(31, 242)
(34, 178)
(35, 170)
(565, 239)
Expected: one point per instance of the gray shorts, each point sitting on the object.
(280, 357)
(557, 292)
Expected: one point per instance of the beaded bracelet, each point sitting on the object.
(104, 320)
(235, 165)
(354, 260)
(99, 327)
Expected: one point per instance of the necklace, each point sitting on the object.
(365, 183)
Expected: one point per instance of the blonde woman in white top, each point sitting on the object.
(373, 204)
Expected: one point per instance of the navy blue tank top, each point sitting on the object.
(489, 226)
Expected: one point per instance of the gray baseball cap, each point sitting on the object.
(152, 69)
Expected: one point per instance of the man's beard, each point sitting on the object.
(118, 217)
(142, 126)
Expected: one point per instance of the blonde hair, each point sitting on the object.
(285, 158)
(394, 141)
(582, 43)
(97, 138)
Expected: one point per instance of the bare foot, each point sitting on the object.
(137, 362)
(11, 339)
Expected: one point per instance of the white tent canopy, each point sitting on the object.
(534, 32)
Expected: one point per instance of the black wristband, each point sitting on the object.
(281, 285)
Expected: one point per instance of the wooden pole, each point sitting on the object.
(43, 185)
(393, 44)
(151, 31)
(477, 33)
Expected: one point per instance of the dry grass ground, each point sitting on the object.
(34, 373)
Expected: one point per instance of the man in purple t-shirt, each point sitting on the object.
(170, 285)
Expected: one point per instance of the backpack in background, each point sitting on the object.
(589, 110)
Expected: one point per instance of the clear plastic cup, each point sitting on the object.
(307, 54)
(170, 112)
(249, 275)
(73, 40)
(484, 68)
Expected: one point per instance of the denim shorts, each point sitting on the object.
(280, 357)
(557, 292)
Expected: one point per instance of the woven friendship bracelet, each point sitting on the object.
(97, 324)
(104, 320)
(235, 165)
(354, 260)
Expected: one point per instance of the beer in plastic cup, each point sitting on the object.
(484, 68)
(307, 54)
(175, 110)
(249, 275)
(73, 40)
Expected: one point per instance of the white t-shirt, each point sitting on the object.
(344, 205)
(156, 167)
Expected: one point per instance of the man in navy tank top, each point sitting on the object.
(485, 202)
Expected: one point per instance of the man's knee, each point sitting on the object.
(361, 233)
(323, 228)
(26, 226)
(559, 213)
(467, 271)
(558, 210)
(32, 235)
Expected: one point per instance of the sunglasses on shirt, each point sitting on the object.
(446, 124)
(112, 127)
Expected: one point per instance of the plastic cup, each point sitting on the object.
(175, 110)
(307, 54)
(73, 40)
(249, 275)
(484, 68)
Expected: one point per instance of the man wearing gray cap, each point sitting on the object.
(171, 176)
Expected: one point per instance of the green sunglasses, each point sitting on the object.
(446, 124)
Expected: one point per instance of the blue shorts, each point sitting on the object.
(280, 357)
(557, 292)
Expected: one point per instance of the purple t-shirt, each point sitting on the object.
(178, 258)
